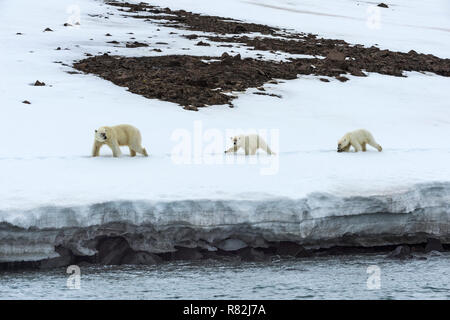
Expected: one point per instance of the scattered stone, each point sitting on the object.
(48, 30)
(26, 102)
(108, 35)
(342, 78)
(113, 42)
(67, 24)
(136, 44)
(268, 94)
(19, 33)
(190, 36)
(157, 50)
(39, 83)
(324, 80)
(383, 5)
(162, 43)
(190, 108)
(59, 48)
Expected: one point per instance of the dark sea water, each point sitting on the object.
(335, 277)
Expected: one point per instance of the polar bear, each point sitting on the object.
(250, 143)
(116, 136)
(358, 139)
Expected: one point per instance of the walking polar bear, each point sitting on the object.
(116, 136)
(358, 139)
(250, 143)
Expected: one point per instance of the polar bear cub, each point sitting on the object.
(250, 143)
(358, 139)
(116, 136)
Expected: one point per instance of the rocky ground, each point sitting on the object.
(194, 81)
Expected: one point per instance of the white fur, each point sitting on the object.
(250, 143)
(116, 136)
(358, 140)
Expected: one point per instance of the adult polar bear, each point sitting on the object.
(116, 136)
(250, 143)
(358, 139)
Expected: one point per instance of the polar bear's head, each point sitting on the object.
(236, 140)
(102, 134)
(343, 143)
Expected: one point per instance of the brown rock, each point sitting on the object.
(335, 55)
(201, 43)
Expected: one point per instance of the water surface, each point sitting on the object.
(336, 277)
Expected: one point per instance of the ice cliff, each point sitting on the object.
(317, 221)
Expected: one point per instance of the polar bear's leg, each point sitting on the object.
(115, 149)
(96, 148)
(232, 149)
(347, 148)
(363, 146)
(139, 149)
(142, 151)
(375, 145)
(269, 151)
(132, 152)
(357, 147)
(263, 145)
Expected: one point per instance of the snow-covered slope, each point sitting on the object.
(45, 155)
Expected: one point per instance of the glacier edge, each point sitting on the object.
(318, 221)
